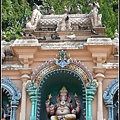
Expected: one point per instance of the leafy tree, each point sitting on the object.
(109, 10)
(14, 14)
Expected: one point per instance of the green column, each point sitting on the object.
(89, 98)
(32, 91)
(90, 92)
(33, 98)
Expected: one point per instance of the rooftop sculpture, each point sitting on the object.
(94, 17)
(67, 20)
(36, 15)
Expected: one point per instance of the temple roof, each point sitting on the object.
(74, 19)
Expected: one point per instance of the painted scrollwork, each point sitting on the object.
(92, 84)
(31, 85)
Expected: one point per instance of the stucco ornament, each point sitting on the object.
(92, 84)
(31, 85)
(63, 109)
(94, 17)
(36, 15)
(62, 60)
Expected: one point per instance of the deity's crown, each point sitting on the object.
(63, 90)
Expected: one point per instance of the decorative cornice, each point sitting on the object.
(62, 45)
(25, 42)
(99, 41)
(12, 67)
(110, 65)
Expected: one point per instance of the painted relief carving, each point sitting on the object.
(92, 84)
(62, 60)
(63, 109)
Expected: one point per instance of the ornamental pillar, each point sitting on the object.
(25, 76)
(32, 91)
(99, 76)
(14, 106)
(110, 111)
(90, 92)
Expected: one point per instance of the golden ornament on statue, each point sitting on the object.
(50, 96)
(63, 90)
(75, 96)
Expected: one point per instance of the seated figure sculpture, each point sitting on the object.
(63, 109)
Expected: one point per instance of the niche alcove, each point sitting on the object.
(52, 82)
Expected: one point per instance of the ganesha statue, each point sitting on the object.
(63, 109)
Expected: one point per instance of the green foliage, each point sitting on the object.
(14, 14)
(109, 10)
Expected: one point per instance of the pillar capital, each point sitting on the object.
(14, 104)
(32, 94)
(31, 86)
(90, 94)
(25, 77)
(97, 70)
(99, 77)
(25, 71)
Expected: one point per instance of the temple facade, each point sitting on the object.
(63, 68)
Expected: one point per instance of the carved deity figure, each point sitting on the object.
(95, 19)
(64, 24)
(63, 109)
(36, 15)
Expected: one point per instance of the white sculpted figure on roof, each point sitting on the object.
(64, 24)
(95, 18)
(36, 15)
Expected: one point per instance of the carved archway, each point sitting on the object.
(108, 96)
(62, 72)
(14, 93)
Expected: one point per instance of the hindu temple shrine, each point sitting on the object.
(64, 67)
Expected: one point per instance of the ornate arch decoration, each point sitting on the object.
(62, 61)
(108, 97)
(110, 91)
(14, 93)
(63, 64)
